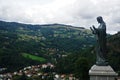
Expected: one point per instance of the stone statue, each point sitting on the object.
(100, 33)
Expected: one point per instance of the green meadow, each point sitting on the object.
(33, 57)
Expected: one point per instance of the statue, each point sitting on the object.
(100, 33)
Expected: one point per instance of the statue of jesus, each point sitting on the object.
(100, 33)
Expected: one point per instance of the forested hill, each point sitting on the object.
(45, 41)
(73, 60)
(114, 42)
(59, 36)
(113, 46)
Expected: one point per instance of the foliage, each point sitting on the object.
(114, 51)
(81, 69)
(77, 63)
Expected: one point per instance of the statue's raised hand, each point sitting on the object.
(95, 29)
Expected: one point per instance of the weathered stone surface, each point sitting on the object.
(102, 73)
(102, 70)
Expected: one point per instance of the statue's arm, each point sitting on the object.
(93, 29)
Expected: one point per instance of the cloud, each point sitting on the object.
(75, 12)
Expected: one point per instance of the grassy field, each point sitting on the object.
(33, 57)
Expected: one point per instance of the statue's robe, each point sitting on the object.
(101, 44)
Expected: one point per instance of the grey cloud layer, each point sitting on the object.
(74, 12)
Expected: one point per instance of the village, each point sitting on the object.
(38, 72)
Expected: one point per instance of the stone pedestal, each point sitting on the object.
(102, 73)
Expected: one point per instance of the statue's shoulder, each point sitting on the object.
(103, 24)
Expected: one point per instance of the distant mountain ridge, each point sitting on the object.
(54, 24)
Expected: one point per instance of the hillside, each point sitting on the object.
(73, 60)
(46, 41)
(45, 36)
(114, 42)
(114, 51)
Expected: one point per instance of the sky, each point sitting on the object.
(80, 13)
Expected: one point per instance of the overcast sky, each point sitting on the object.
(81, 13)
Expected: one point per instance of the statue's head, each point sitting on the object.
(100, 19)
